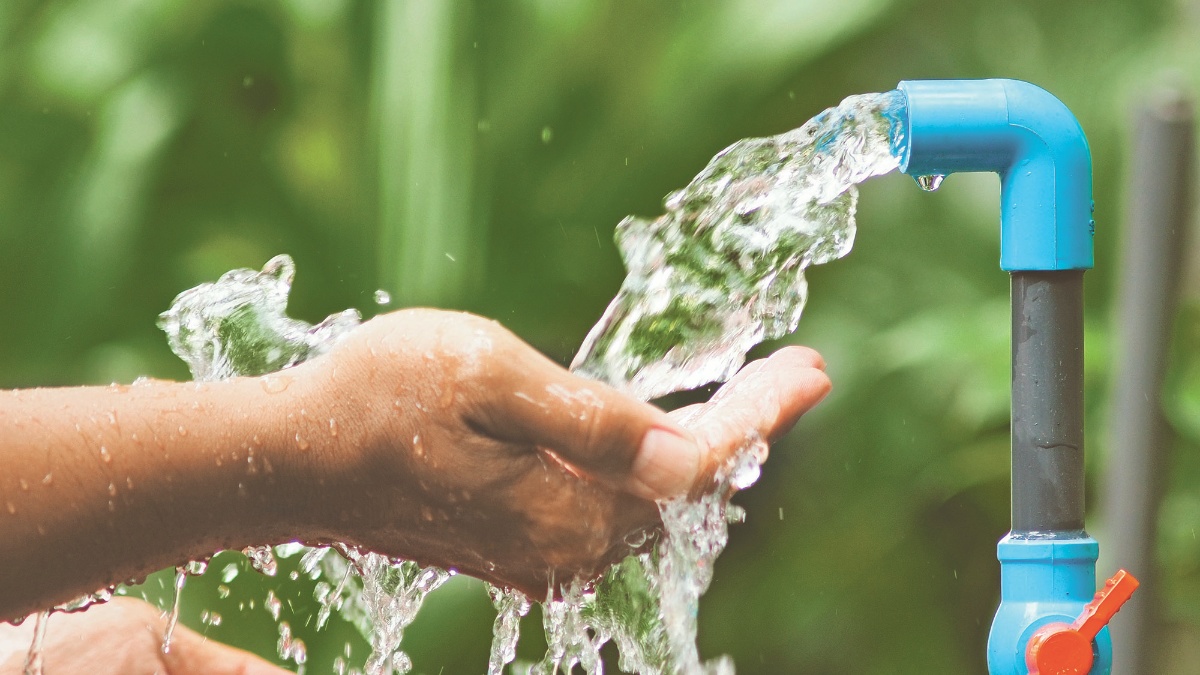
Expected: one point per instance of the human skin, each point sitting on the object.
(123, 637)
(428, 435)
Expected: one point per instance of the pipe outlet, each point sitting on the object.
(1029, 138)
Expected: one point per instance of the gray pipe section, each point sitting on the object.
(1160, 201)
(1047, 403)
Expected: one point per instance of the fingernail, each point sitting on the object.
(666, 464)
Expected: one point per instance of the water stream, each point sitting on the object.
(720, 271)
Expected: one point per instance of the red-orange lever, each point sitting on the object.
(1059, 649)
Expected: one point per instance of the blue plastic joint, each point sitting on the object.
(1042, 581)
(1032, 140)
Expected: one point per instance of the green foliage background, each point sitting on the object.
(477, 155)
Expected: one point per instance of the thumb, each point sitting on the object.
(614, 438)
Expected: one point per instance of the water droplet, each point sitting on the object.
(105, 455)
(292, 648)
(196, 567)
(293, 575)
(129, 482)
(262, 558)
(300, 442)
(24, 484)
(210, 618)
(274, 384)
(222, 591)
(418, 446)
(382, 297)
(230, 572)
(48, 479)
(637, 539)
(547, 134)
(333, 427)
(12, 508)
(182, 430)
(930, 182)
(272, 604)
(112, 489)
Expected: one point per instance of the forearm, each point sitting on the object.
(104, 484)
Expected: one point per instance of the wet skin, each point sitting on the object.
(428, 435)
(123, 638)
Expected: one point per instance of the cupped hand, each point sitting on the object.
(466, 448)
(124, 637)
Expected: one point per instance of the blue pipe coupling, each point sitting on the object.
(1042, 581)
(1027, 136)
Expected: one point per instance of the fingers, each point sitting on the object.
(612, 437)
(766, 397)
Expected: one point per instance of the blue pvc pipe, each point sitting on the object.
(1027, 136)
(1034, 143)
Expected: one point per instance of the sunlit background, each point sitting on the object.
(477, 155)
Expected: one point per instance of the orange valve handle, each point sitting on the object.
(1059, 649)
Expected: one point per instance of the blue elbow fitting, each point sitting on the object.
(1032, 140)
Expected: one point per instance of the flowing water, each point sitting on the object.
(719, 272)
(722, 270)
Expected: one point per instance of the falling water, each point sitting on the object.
(721, 271)
(239, 326)
(510, 606)
(34, 660)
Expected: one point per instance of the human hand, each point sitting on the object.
(124, 637)
(464, 447)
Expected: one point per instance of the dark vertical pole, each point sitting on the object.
(1047, 402)
(1159, 213)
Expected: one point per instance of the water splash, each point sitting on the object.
(723, 269)
(239, 325)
